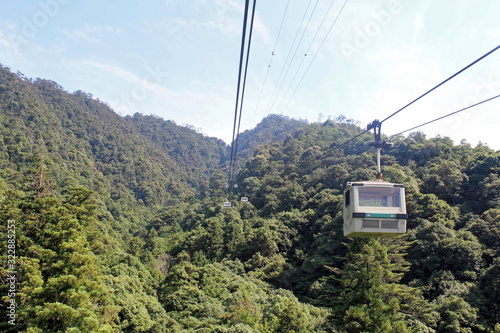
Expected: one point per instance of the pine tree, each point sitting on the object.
(372, 299)
(59, 284)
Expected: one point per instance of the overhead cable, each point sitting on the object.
(332, 147)
(295, 53)
(449, 114)
(305, 55)
(440, 84)
(317, 51)
(413, 128)
(271, 99)
(270, 61)
(426, 93)
(244, 82)
(242, 52)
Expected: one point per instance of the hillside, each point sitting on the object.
(270, 129)
(120, 226)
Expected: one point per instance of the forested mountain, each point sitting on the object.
(270, 129)
(120, 226)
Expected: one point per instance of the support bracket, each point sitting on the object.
(378, 144)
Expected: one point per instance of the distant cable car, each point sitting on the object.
(244, 199)
(235, 185)
(374, 208)
(226, 186)
(227, 204)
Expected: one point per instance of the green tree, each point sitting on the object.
(372, 299)
(61, 284)
(487, 230)
(490, 288)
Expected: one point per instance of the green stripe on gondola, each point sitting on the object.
(380, 215)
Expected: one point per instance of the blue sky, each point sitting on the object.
(179, 59)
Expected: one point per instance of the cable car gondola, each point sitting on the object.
(227, 204)
(244, 200)
(375, 208)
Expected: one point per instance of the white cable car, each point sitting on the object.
(374, 208)
(244, 200)
(227, 204)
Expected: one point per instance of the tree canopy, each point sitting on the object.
(120, 225)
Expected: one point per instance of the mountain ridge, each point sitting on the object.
(121, 226)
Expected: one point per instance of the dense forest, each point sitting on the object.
(120, 225)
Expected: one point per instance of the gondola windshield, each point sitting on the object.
(379, 197)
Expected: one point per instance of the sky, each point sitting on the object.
(309, 59)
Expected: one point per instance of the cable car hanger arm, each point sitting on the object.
(378, 143)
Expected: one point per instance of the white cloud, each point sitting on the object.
(10, 39)
(93, 34)
(113, 71)
(262, 31)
